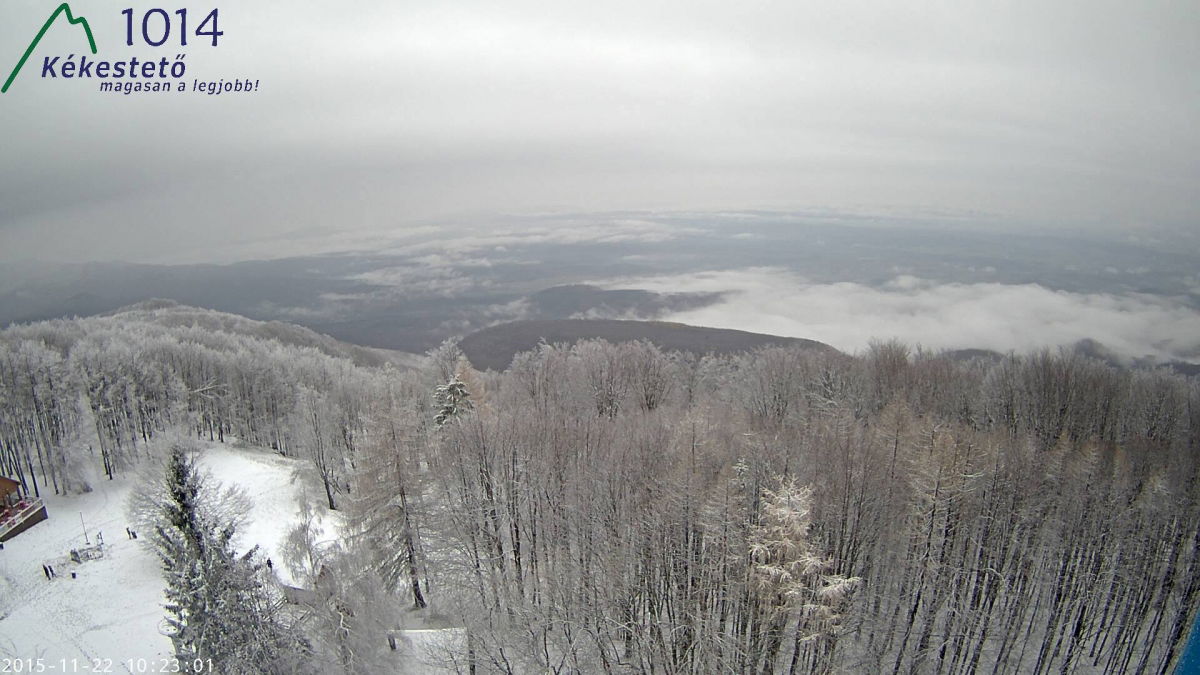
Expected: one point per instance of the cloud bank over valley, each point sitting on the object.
(995, 316)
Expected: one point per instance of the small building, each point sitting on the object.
(9, 491)
(17, 511)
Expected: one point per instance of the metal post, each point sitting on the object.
(85, 537)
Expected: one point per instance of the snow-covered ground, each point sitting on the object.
(277, 486)
(113, 609)
(430, 651)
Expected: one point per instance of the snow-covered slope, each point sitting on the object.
(277, 486)
(113, 608)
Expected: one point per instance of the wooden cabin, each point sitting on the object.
(10, 491)
(17, 511)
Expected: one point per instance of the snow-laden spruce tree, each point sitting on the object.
(452, 398)
(218, 608)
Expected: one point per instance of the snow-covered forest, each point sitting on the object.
(616, 509)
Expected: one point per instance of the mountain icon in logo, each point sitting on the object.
(71, 19)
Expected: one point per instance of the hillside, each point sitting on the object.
(171, 314)
(613, 465)
(493, 348)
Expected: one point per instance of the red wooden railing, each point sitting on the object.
(15, 517)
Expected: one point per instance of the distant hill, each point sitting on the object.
(1091, 349)
(170, 313)
(969, 354)
(494, 348)
(581, 301)
(1094, 349)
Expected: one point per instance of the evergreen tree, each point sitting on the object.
(218, 607)
(452, 398)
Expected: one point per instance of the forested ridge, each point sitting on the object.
(612, 508)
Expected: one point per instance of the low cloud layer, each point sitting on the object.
(1000, 317)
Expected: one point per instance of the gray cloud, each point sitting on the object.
(994, 316)
(375, 118)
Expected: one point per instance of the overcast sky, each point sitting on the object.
(375, 117)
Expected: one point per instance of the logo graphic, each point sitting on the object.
(71, 18)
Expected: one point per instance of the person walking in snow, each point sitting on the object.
(46, 571)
